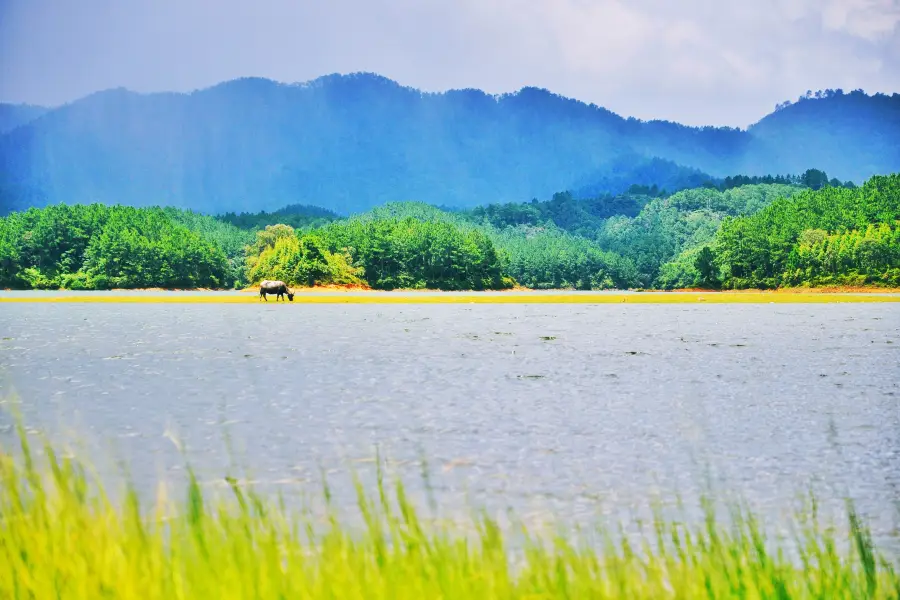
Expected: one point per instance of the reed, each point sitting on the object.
(61, 536)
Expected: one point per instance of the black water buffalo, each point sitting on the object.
(279, 288)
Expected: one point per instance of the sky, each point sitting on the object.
(698, 62)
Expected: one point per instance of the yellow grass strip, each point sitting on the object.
(474, 298)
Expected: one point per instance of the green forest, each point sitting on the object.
(748, 232)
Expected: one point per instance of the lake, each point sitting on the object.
(564, 410)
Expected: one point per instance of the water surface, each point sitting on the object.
(568, 410)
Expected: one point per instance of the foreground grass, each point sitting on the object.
(61, 537)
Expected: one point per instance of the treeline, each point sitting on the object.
(585, 216)
(830, 236)
(642, 232)
(760, 235)
(100, 247)
(858, 93)
(542, 256)
(298, 216)
(549, 258)
(384, 253)
(673, 241)
(103, 247)
(814, 179)
(563, 210)
(667, 226)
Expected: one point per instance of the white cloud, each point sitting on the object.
(868, 19)
(696, 61)
(702, 61)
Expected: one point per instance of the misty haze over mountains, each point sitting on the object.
(352, 142)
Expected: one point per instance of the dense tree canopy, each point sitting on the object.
(810, 232)
(854, 257)
(98, 247)
(299, 260)
(298, 216)
(548, 258)
(779, 244)
(414, 252)
(667, 226)
(563, 210)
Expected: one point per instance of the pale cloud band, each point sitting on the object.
(694, 61)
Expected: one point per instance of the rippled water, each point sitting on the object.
(572, 409)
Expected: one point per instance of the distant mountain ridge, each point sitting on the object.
(16, 115)
(352, 142)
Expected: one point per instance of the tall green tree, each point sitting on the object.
(705, 263)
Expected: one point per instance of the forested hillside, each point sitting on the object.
(351, 143)
(667, 226)
(806, 133)
(753, 235)
(829, 236)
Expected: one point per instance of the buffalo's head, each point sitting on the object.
(290, 296)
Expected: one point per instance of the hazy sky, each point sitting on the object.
(719, 62)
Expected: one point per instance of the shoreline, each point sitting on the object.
(515, 290)
(331, 296)
(356, 294)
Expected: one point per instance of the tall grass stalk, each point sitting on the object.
(62, 537)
